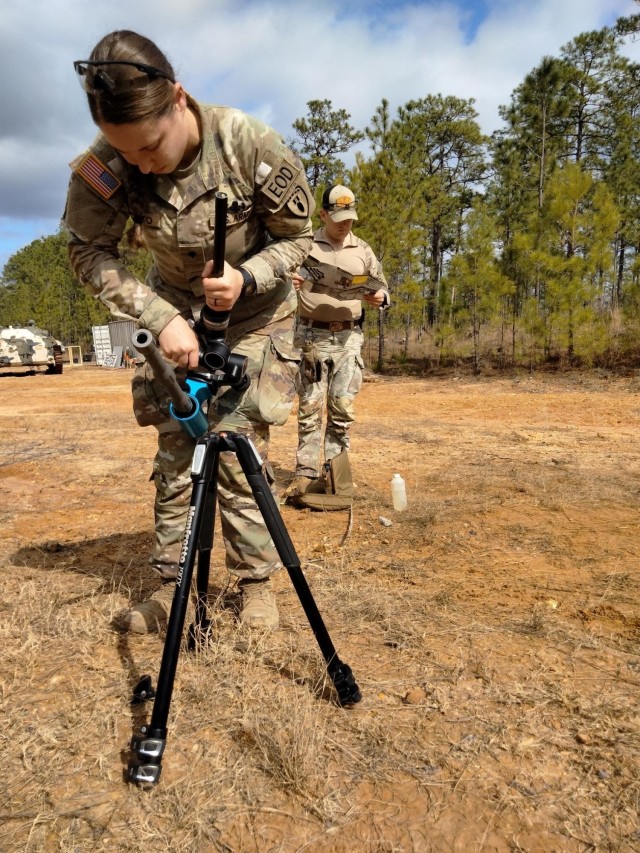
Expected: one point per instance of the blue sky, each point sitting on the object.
(268, 57)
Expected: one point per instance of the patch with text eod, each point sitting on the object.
(279, 184)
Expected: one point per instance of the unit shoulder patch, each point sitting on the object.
(299, 203)
(98, 176)
(279, 181)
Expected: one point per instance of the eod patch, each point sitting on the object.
(280, 180)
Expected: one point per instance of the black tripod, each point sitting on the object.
(148, 745)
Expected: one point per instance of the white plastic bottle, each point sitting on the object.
(398, 493)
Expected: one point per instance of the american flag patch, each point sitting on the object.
(96, 174)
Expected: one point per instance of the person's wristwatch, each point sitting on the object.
(248, 281)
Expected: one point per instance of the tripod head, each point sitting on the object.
(218, 365)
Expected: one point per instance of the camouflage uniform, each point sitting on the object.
(268, 233)
(329, 332)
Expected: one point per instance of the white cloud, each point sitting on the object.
(269, 57)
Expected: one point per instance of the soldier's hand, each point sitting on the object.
(296, 280)
(376, 299)
(222, 293)
(178, 342)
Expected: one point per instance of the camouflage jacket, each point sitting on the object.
(268, 230)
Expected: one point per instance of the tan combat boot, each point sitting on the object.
(298, 486)
(259, 609)
(149, 615)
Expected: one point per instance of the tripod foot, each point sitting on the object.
(345, 684)
(199, 635)
(144, 775)
(145, 766)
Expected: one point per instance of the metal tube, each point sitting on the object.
(144, 343)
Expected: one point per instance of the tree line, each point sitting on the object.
(517, 248)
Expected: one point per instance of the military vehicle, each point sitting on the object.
(29, 349)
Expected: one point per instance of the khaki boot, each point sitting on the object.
(298, 486)
(259, 609)
(149, 615)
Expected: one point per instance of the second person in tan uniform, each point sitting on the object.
(331, 329)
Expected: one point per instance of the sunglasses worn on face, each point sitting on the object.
(94, 76)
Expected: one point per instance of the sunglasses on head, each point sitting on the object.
(94, 75)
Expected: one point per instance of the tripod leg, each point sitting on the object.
(149, 744)
(200, 629)
(339, 672)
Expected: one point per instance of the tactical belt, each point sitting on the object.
(333, 326)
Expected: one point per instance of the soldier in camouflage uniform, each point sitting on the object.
(329, 334)
(160, 159)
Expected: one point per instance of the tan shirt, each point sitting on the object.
(354, 256)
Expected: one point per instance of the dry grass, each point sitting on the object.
(493, 630)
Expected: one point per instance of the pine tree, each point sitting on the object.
(320, 137)
(440, 150)
(478, 289)
(565, 247)
(384, 214)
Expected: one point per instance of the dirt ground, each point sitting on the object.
(493, 628)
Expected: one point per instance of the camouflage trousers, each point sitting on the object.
(273, 368)
(339, 380)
